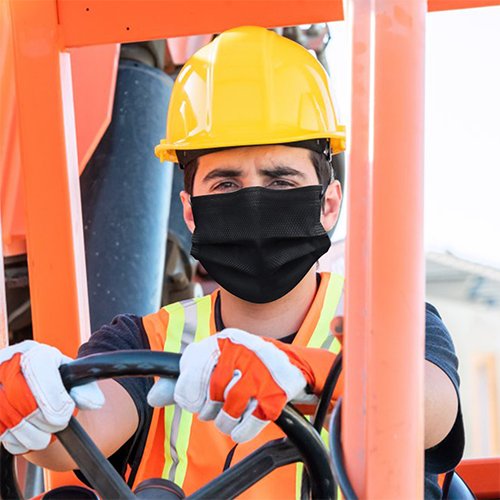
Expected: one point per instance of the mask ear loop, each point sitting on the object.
(325, 188)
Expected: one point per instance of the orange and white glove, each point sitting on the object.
(33, 401)
(241, 381)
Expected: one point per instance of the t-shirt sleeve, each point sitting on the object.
(124, 333)
(439, 349)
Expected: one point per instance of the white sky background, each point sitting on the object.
(462, 129)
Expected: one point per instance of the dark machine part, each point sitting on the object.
(18, 298)
(159, 489)
(72, 492)
(302, 442)
(126, 199)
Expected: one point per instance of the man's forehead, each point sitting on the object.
(257, 156)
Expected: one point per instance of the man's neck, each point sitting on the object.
(276, 319)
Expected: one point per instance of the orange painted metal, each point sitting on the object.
(93, 71)
(385, 436)
(4, 326)
(11, 196)
(358, 247)
(94, 76)
(482, 475)
(439, 5)
(90, 22)
(94, 22)
(50, 172)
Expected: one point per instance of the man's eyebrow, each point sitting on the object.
(280, 171)
(220, 173)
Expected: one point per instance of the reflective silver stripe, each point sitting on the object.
(328, 342)
(340, 306)
(188, 334)
(190, 323)
(174, 435)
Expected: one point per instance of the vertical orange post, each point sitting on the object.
(384, 438)
(4, 326)
(358, 245)
(54, 233)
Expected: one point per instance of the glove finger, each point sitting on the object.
(30, 436)
(12, 445)
(88, 396)
(196, 367)
(162, 393)
(40, 367)
(226, 423)
(250, 426)
(238, 394)
(210, 410)
(237, 399)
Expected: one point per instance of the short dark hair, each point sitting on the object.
(322, 166)
(189, 172)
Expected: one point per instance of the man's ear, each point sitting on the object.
(187, 210)
(331, 205)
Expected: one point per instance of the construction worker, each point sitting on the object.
(252, 122)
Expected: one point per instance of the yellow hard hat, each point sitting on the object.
(250, 86)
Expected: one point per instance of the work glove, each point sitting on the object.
(33, 401)
(242, 381)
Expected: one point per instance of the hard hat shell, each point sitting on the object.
(250, 86)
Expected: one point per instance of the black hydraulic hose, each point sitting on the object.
(322, 411)
(326, 395)
(314, 454)
(337, 455)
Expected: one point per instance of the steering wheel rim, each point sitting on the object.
(300, 433)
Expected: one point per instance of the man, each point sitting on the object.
(251, 120)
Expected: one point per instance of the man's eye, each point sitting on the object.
(281, 184)
(225, 186)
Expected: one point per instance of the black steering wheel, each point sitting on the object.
(302, 441)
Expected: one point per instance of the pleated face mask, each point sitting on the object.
(258, 243)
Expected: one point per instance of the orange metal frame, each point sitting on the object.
(482, 476)
(384, 391)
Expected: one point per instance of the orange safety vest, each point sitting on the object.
(190, 452)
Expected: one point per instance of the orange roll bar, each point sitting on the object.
(56, 260)
(90, 22)
(358, 244)
(385, 444)
(94, 22)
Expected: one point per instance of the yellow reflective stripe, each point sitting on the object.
(332, 298)
(172, 344)
(299, 469)
(203, 310)
(335, 347)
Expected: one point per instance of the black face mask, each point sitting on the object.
(259, 243)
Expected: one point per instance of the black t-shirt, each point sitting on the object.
(127, 332)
